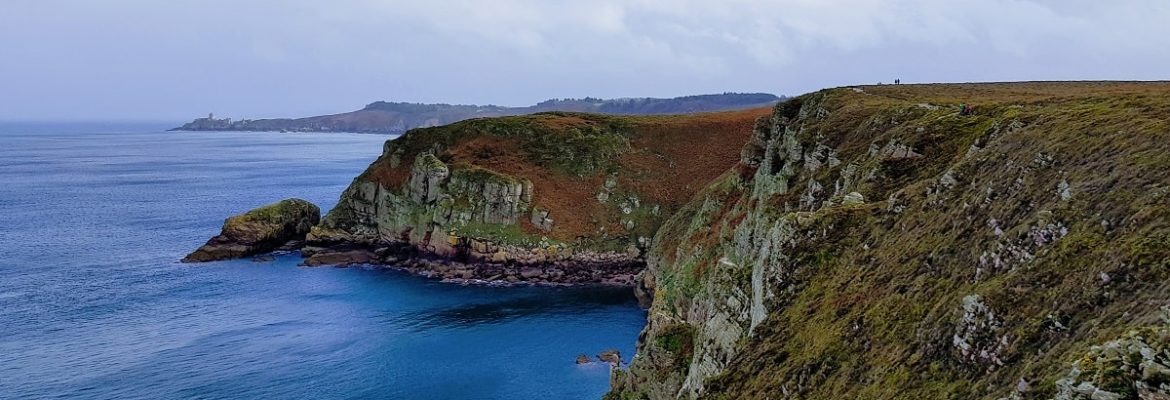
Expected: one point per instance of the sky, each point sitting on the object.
(178, 59)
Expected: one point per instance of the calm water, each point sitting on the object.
(93, 304)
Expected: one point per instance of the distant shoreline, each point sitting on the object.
(397, 118)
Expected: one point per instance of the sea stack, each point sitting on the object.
(260, 230)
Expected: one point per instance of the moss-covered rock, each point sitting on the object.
(260, 230)
(1136, 365)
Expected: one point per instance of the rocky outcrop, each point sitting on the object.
(260, 230)
(459, 223)
(1136, 365)
(868, 247)
(613, 357)
(515, 199)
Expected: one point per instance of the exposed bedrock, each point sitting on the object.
(547, 198)
(260, 230)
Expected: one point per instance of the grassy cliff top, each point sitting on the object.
(585, 167)
(993, 248)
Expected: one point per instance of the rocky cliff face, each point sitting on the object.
(260, 230)
(876, 242)
(555, 197)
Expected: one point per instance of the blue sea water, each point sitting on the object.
(94, 305)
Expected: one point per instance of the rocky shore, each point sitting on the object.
(534, 267)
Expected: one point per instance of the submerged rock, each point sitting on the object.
(260, 230)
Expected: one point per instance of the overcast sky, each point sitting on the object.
(177, 59)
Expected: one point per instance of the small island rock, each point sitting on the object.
(583, 359)
(260, 230)
(613, 357)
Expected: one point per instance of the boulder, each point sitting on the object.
(853, 199)
(260, 230)
(583, 359)
(540, 219)
(341, 258)
(613, 357)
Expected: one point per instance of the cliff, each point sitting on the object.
(882, 242)
(397, 117)
(549, 197)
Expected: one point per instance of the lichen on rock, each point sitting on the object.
(1136, 365)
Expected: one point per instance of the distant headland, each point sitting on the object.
(398, 117)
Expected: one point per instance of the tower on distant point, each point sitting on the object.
(210, 115)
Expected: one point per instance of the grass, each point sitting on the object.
(279, 210)
(503, 234)
(867, 299)
(659, 160)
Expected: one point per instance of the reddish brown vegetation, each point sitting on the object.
(670, 158)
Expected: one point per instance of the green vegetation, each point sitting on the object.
(506, 234)
(279, 210)
(678, 340)
(1136, 365)
(991, 252)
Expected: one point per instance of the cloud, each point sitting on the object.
(141, 58)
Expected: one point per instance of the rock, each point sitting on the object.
(260, 230)
(621, 280)
(644, 289)
(426, 178)
(853, 199)
(896, 151)
(348, 257)
(583, 359)
(291, 245)
(1065, 190)
(613, 357)
(263, 259)
(531, 272)
(540, 219)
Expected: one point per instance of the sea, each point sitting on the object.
(94, 305)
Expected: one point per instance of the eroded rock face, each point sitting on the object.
(557, 197)
(963, 256)
(461, 224)
(260, 230)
